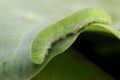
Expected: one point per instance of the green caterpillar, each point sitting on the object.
(70, 25)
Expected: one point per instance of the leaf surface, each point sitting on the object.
(20, 22)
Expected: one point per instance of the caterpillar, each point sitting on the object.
(70, 25)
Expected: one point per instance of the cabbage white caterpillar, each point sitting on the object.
(70, 25)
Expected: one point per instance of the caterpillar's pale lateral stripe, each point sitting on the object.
(70, 24)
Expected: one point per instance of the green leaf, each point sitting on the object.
(20, 22)
(71, 65)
